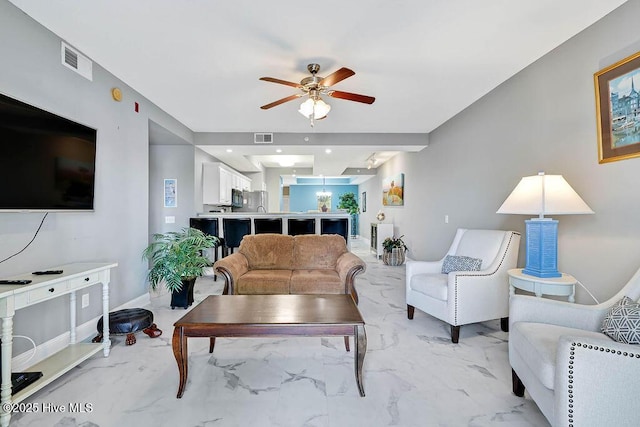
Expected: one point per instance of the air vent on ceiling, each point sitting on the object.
(263, 138)
(76, 61)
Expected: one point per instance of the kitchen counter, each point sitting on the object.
(274, 214)
(322, 223)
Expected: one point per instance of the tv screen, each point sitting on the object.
(47, 163)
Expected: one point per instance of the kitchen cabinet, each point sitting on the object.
(217, 182)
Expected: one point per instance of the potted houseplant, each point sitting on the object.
(394, 250)
(348, 202)
(177, 258)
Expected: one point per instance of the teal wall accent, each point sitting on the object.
(303, 197)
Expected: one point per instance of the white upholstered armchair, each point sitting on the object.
(577, 375)
(464, 297)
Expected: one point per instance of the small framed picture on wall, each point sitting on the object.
(364, 201)
(171, 193)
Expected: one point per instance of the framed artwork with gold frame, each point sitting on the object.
(618, 110)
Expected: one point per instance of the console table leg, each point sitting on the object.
(179, 344)
(361, 349)
(106, 343)
(5, 388)
(72, 317)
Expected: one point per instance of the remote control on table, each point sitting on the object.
(15, 282)
(38, 273)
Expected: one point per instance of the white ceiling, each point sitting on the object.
(423, 60)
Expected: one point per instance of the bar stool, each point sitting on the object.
(234, 230)
(335, 226)
(301, 226)
(267, 225)
(211, 227)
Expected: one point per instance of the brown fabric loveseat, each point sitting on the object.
(283, 264)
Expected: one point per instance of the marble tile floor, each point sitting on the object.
(413, 374)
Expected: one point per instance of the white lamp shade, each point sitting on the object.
(544, 195)
(321, 109)
(306, 108)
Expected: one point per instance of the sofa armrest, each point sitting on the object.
(348, 266)
(596, 382)
(525, 308)
(231, 268)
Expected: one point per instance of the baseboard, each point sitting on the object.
(84, 332)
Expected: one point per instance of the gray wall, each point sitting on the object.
(118, 229)
(171, 162)
(541, 119)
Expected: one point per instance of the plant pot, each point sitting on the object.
(184, 297)
(394, 257)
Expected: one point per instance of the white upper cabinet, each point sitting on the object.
(217, 181)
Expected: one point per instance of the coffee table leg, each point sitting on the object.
(179, 344)
(212, 342)
(346, 343)
(361, 349)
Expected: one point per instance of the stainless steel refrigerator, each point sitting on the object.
(254, 201)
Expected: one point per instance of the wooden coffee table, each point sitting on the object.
(270, 315)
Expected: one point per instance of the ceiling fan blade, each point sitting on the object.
(282, 82)
(336, 77)
(351, 96)
(282, 101)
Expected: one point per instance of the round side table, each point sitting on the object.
(560, 286)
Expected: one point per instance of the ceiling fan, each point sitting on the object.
(314, 108)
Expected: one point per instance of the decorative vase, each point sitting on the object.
(394, 257)
(184, 297)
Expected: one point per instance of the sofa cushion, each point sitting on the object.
(460, 263)
(483, 244)
(312, 251)
(433, 285)
(622, 322)
(316, 282)
(536, 344)
(267, 251)
(264, 282)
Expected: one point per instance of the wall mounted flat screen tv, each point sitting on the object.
(47, 162)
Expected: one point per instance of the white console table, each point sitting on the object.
(42, 288)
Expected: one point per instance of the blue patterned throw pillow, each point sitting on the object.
(460, 263)
(622, 322)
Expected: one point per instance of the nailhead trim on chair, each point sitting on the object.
(455, 298)
(570, 376)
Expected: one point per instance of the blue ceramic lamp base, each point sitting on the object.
(542, 248)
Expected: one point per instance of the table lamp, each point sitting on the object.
(543, 195)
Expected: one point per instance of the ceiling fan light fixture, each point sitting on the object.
(321, 109)
(318, 109)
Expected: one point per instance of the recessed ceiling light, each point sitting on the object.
(279, 150)
(328, 151)
(229, 150)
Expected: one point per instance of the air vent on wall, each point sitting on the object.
(76, 61)
(263, 138)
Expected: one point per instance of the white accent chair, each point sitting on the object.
(464, 297)
(577, 375)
